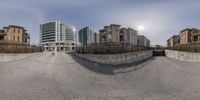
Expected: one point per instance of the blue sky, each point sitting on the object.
(160, 18)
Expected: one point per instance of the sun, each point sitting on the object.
(141, 28)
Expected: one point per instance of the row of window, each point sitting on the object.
(16, 30)
(17, 38)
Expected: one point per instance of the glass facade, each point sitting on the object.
(56, 35)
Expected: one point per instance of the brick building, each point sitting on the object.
(173, 41)
(186, 35)
(15, 34)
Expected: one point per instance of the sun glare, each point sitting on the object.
(141, 28)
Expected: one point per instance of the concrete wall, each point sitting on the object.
(183, 56)
(117, 59)
(8, 57)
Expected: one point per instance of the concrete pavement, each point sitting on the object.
(65, 77)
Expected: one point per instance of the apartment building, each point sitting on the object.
(195, 36)
(15, 34)
(173, 41)
(186, 35)
(110, 33)
(143, 41)
(114, 33)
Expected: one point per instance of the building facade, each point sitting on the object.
(114, 33)
(14, 33)
(186, 35)
(131, 36)
(143, 41)
(173, 41)
(56, 35)
(87, 36)
(110, 33)
(195, 36)
(69, 33)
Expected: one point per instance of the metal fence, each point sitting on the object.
(192, 47)
(8, 47)
(110, 48)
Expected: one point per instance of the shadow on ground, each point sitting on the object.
(111, 69)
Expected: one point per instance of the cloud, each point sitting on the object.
(161, 18)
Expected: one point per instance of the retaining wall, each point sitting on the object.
(183, 56)
(117, 59)
(7, 57)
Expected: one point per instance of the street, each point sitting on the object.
(66, 77)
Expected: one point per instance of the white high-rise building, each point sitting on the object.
(55, 35)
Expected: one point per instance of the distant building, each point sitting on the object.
(114, 33)
(110, 33)
(14, 33)
(143, 41)
(96, 37)
(132, 36)
(56, 35)
(173, 41)
(87, 36)
(186, 35)
(69, 33)
(195, 36)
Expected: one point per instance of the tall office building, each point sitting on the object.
(70, 33)
(87, 36)
(56, 35)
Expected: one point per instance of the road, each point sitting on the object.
(65, 77)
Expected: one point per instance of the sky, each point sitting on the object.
(160, 19)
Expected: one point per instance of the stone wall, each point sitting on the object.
(117, 59)
(183, 56)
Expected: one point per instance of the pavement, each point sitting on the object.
(66, 77)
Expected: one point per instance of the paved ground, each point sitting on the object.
(63, 77)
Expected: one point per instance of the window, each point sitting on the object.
(18, 31)
(18, 38)
(14, 38)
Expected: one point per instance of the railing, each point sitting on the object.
(110, 48)
(192, 47)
